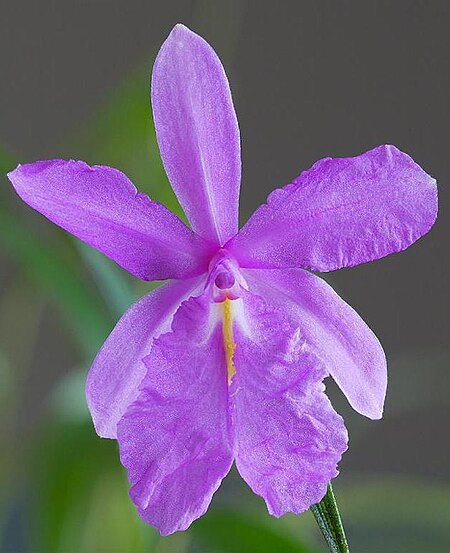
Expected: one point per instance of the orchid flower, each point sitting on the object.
(225, 362)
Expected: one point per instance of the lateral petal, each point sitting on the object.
(102, 207)
(288, 438)
(174, 439)
(340, 213)
(198, 133)
(113, 381)
(349, 350)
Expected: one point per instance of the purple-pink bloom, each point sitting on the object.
(225, 362)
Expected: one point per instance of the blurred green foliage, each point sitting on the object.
(63, 489)
(53, 266)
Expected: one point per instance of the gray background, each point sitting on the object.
(310, 79)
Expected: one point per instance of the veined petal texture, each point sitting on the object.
(340, 213)
(174, 439)
(288, 439)
(114, 379)
(334, 332)
(102, 207)
(198, 133)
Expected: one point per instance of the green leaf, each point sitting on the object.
(113, 282)
(122, 135)
(7, 162)
(79, 497)
(230, 532)
(51, 264)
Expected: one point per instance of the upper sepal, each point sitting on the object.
(198, 133)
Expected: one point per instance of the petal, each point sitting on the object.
(102, 207)
(198, 133)
(336, 334)
(340, 213)
(113, 381)
(174, 440)
(288, 438)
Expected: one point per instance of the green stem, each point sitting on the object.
(329, 520)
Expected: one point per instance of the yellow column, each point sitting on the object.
(228, 340)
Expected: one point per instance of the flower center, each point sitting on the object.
(224, 280)
(226, 283)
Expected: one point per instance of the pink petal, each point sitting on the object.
(288, 438)
(102, 207)
(340, 213)
(336, 334)
(113, 381)
(174, 439)
(198, 133)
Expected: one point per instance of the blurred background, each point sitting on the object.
(310, 79)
